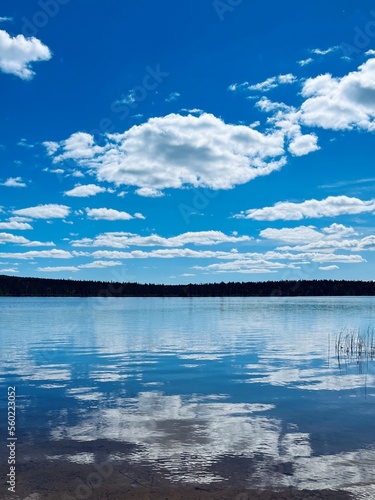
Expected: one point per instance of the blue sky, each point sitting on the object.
(196, 141)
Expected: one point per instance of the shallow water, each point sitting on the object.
(203, 390)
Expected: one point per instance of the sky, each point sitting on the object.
(187, 141)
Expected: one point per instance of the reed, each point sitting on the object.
(355, 344)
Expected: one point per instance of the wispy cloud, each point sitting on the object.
(305, 62)
(173, 96)
(266, 85)
(324, 52)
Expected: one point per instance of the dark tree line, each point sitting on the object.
(11, 286)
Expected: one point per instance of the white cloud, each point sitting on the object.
(14, 182)
(11, 238)
(173, 97)
(234, 261)
(23, 143)
(58, 269)
(124, 240)
(51, 211)
(51, 147)
(138, 215)
(79, 146)
(4, 19)
(321, 52)
(175, 151)
(286, 119)
(14, 225)
(148, 192)
(299, 234)
(370, 52)
(304, 144)
(101, 264)
(11, 270)
(341, 103)
(310, 235)
(328, 268)
(77, 173)
(305, 62)
(107, 214)
(20, 240)
(83, 191)
(329, 207)
(36, 254)
(18, 53)
(57, 171)
(266, 85)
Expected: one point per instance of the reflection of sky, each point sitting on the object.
(192, 382)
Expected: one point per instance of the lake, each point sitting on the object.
(210, 391)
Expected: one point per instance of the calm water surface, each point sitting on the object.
(204, 389)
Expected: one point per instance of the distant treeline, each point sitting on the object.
(39, 287)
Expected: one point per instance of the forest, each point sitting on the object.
(12, 286)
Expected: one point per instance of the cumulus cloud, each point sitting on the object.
(37, 254)
(329, 207)
(11, 238)
(20, 240)
(14, 182)
(341, 103)
(309, 235)
(51, 211)
(175, 151)
(79, 146)
(18, 53)
(148, 192)
(83, 191)
(107, 214)
(287, 120)
(124, 240)
(292, 235)
(303, 144)
(14, 225)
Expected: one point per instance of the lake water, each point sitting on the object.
(203, 390)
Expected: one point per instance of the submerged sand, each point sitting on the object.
(47, 472)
